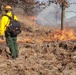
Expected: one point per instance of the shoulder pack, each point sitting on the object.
(14, 26)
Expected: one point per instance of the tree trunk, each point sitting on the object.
(62, 16)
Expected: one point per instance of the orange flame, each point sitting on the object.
(33, 18)
(64, 35)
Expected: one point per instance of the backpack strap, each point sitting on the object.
(11, 18)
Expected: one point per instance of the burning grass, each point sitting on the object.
(58, 35)
(65, 35)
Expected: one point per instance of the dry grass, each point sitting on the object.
(37, 57)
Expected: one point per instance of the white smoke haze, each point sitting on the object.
(50, 15)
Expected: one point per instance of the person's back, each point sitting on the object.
(10, 39)
(5, 20)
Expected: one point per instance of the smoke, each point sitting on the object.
(40, 0)
(49, 16)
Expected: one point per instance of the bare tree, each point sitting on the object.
(63, 4)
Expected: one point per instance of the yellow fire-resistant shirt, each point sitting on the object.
(5, 22)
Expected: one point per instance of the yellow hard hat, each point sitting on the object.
(8, 7)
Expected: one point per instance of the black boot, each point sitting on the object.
(17, 56)
(13, 57)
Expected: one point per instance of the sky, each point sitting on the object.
(72, 8)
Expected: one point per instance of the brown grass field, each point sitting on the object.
(43, 50)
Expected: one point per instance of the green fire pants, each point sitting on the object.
(11, 43)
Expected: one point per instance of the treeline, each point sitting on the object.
(29, 5)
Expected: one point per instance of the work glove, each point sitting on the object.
(2, 37)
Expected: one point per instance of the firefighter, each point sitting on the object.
(11, 40)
